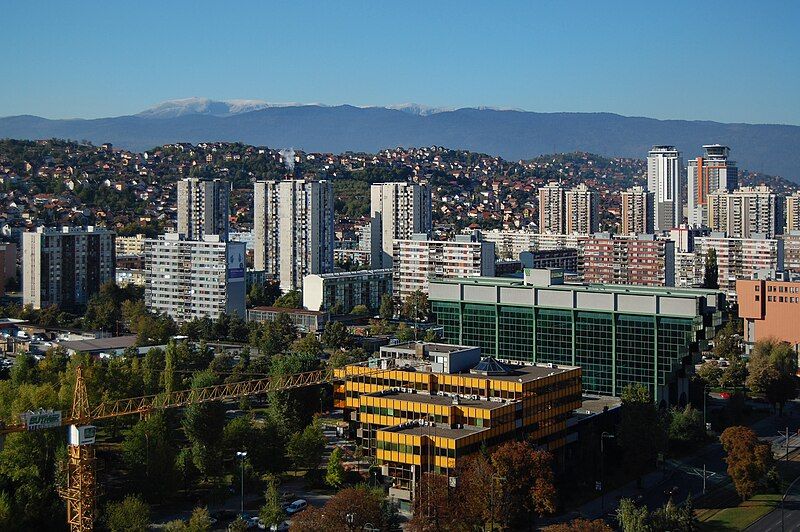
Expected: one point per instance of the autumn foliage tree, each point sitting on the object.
(580, 525)
(365, 505)
(750, 461)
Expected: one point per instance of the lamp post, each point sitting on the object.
(241, 455)
(350, 518)
(603, 437)
(705, 394)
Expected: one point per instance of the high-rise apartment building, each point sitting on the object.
(665, 180)
(203, 208)
(418, 259)
(642, 260)
(740, 258)
(617, 335)
(397, 211)
(293, 227)
(792, 212)
(689, 269)
(791, 251)
(8, 264)
(745, 211)
(65, 266)
(581, 210)
(707, 174)
(637, 211)
(567, 211)
(129, 245)
(192, 279)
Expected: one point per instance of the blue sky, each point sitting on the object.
(730, 61)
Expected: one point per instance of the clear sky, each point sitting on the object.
(730, 61)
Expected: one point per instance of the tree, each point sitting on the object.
(437, 506)
(129, 515)
(528, 487)
(727, 342)
(149, 454)
(686, 427)
(580, 525)
(335, 335)
(631, 518)
(386, 310)
(335, 474)
(305, 448)
(203, 425)
(711, 273)
(404, 333)
(291, 299)
(307, 346)
(773, 371)
(200, 520)
(417, 307)
(360, 310)
(711, 372)
(735, 375)
(749, 460)
(362, 504)
(271, 513)
(641, 433)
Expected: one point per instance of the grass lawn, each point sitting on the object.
(738, 517)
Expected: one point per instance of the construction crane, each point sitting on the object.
(80, 493)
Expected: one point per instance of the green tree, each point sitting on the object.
(131, 514)
(291, 299)
(6, 511)
(773, 371)
(271, 512)
(149, 454)
(360, 310)
(727, 342)
(335, 335)
(711, 273)
(641, 433)
(631, 518)
(200, 520)
(203, 424)
(735, 375)
(404, 333)
(335, 475)
(417, 307)
(305, 448)
(307, 346)
(710, 372)
(386, 310)
(686, 427)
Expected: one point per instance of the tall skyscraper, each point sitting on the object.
(665, 180)
(398, 211)
(192, 279)
(706, 175)
(65, 266)
(293, 226)
(581, 211)
(203, 208)
(551, 208)
(637, 211)
(792, 213)
(745, 211)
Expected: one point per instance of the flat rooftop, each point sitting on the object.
(435, 429)
(439, 399)
(100, 344)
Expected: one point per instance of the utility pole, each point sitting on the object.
(242, 455)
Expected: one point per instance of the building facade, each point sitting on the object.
(566, 259)
(293, 229)
(642, 260)
(450, 405)
(306, 321)
(792, 213)
(193, 279)
(739, 258)
(637, 211)
(791, 251)
(65, 266)
(397, 211)
(770, 307)
(745, 212)
(666, 181)
(203, 208)
(552, 209)
(582, 216)
(508, 243)
(707, 174)
(618, 335)
(346, 290)
(418, 259)
(8, 264)
(129, 245)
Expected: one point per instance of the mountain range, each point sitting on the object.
(510, 133)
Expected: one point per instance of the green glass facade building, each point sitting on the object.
(619, 335)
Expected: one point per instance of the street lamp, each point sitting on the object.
(241, 455)
(705, 394)
(603, 437)
(350, 518)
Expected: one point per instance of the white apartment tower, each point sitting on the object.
(203, 208)
(665, 180)
(707, 174)
(293, 229)
(746, 211)
(397, 211)
(551, 208)
(192, 279)
(792, 213)
(65, 266)
(581, 211)
(637, 211)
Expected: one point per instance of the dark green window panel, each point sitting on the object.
(554, 336)
(594, 345)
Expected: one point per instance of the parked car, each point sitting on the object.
(297, 506)
(283, 527)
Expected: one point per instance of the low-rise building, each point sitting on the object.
(770, 307)
(426, 407)
(306, 321)
(565, 259)
(345, 290)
